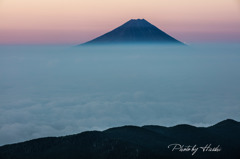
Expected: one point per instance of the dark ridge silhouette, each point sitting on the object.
(133, 32)
(132, 142)
(228, 122)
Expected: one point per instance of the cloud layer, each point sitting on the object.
(53, 91)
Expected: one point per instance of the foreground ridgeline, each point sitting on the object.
(220, 141)
(135, 31)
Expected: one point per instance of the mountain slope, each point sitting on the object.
(132, 142)
(135, 31)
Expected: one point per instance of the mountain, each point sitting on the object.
(132, 142)
(135, 31)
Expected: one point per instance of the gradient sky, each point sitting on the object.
(74, 21)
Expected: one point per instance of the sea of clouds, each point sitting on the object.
(62, 90)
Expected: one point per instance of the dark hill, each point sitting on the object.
(132, 142)
(135, 31)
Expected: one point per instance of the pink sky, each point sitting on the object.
(74, 21)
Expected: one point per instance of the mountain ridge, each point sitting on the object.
(132, 142)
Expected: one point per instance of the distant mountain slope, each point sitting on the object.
(135, 31)
(132, 142)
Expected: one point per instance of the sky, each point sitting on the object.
(74, 21)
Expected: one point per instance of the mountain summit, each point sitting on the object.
(135, 31)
